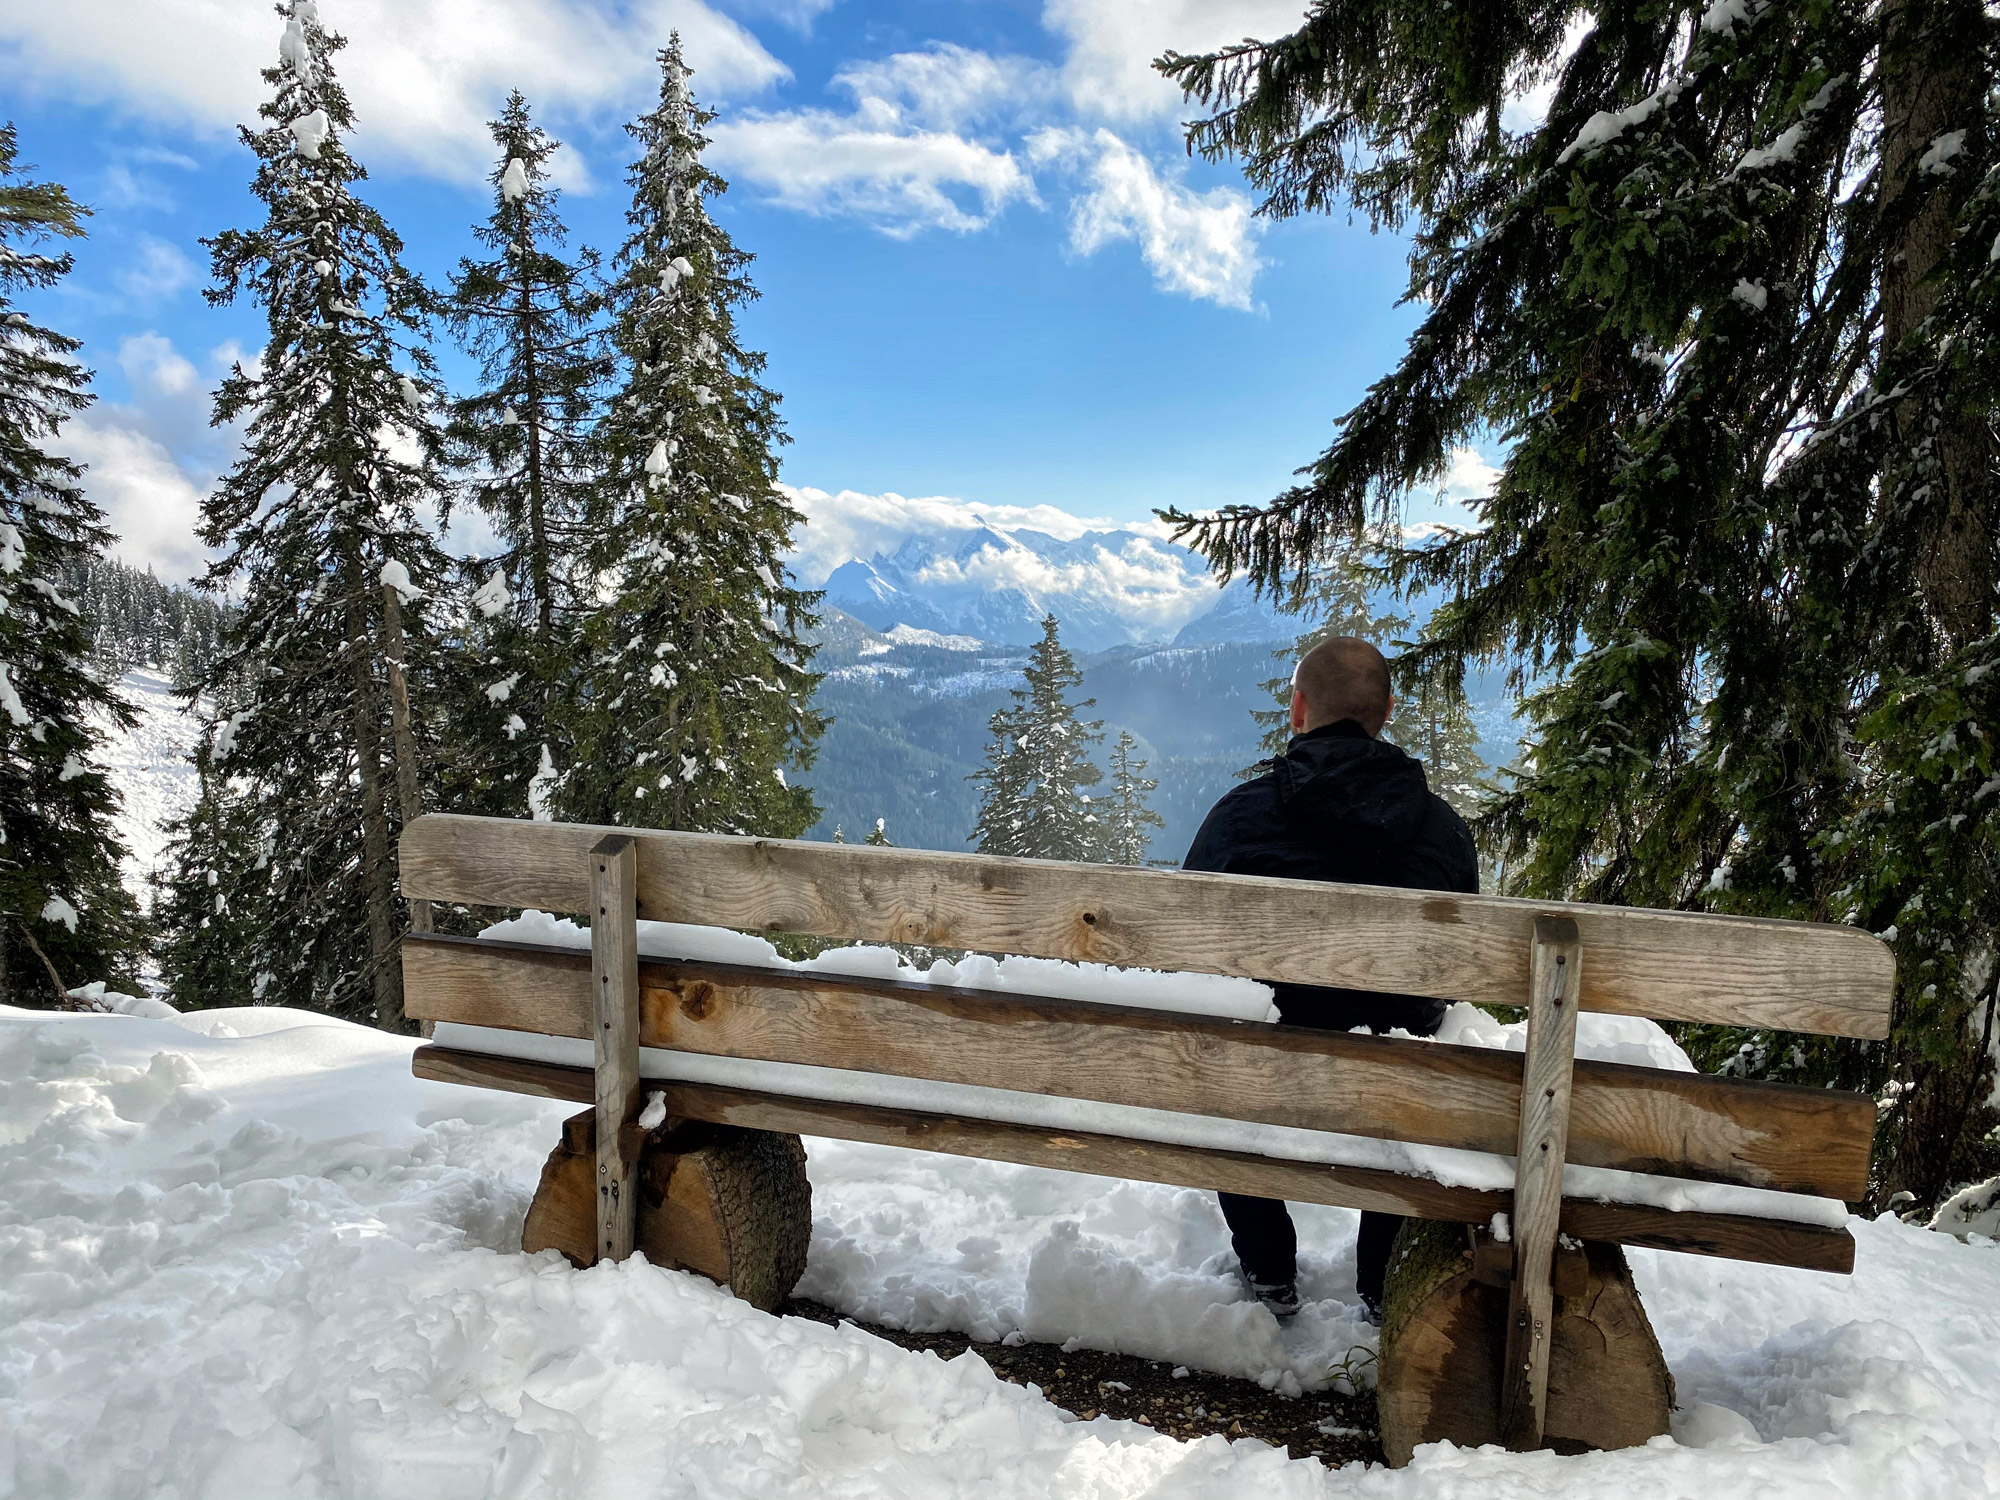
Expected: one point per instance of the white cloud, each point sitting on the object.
(1471, 476)
(149, 499)
(157, 371)
(1202, 245)
(898, 160)
(945, 87)
(424, 75)
(153, 457)
(1112, 44)
(851, 524)
(1137, 575)
(160, 270)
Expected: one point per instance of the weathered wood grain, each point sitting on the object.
(1538, 1178)
(1443, 1330)
(614, 972)
(1634, 1119)
(1733, 1236)
(1669, 965)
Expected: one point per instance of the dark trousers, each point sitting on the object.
(1267, 1246)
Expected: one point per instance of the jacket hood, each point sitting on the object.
(1338, 772)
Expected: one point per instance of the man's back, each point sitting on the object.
(1342, 806)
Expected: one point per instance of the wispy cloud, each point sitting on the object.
(158, 271)
(1108, 68)
(1202, 245)
(903, 159)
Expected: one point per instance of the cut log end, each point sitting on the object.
(1444, 1335)
(732, 1205)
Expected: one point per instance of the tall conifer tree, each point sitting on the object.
(528, 442)
(1125, 813)
(1736, 307)
(699, 676)
(63, 911)
(1032, 800)
(319, 511)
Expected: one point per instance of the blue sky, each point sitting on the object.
(992, 278)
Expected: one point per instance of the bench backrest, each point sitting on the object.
(1670, 966)
(1665, 965)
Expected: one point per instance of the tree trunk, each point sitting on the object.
(1932, 84)
(377, 881)
(1444, 1331)
(409, 796)
(732, 1205)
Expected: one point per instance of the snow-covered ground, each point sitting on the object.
(149, 767)
(243, 1253)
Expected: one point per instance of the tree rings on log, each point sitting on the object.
(1444, 1333)
(733, 1205)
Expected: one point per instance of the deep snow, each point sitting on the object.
(244, 1253)
(149, 766)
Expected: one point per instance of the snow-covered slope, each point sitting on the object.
(245, 1254)
(149, 767)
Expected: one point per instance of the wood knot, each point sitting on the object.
(1090, 919)
(697, 1000)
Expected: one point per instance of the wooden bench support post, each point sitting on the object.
(1555, 976)
(614, 966)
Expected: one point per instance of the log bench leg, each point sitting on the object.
(733, 1205)
(1444, 1328)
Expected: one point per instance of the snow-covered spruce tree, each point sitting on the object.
(63, 911)
(1032, 800)
(1735, 308)
(878, 835)
(1125, 812)
(526, 442)
(337, 456)
(697, 684)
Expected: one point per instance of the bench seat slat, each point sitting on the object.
(1675, 966)
(1736, 1236)
(1631, 1119)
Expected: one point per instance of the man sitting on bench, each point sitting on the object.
(1338, 805)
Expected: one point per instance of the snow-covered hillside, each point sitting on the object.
(149, 766)
(244, 1253)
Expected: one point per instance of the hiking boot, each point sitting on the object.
(1281, 1297)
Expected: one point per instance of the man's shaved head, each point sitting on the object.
(1343, 677)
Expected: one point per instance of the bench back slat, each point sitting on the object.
(1740, 1237)
(1633, 1119)
(1672, 966)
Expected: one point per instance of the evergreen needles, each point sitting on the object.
(1736, 310)
(64, 917)
(696, 692)
(318, 514)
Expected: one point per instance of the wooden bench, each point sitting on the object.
(1474, 1322)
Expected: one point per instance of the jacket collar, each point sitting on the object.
(1340, 729)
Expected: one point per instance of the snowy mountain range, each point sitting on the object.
(1108, 588)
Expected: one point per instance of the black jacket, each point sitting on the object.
(1340, 806)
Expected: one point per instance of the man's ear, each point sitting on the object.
(1298, 712)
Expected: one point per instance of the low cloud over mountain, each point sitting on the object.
(993, 572)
